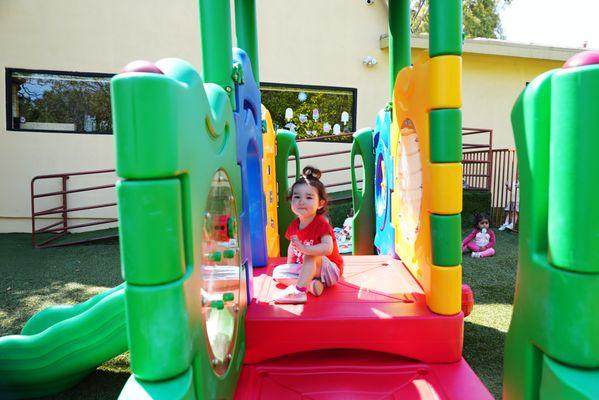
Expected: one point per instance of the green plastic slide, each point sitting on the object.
(53, 315)
(61, 345)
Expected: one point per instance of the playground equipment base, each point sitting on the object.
(369, 336)
(355, 374)
(377, 306)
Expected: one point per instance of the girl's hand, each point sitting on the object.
(297, 243)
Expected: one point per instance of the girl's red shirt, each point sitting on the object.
(312, 235)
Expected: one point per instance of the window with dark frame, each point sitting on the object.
(74, 102)
(60, 102)
(311, 111)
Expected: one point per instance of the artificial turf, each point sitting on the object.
(31, 280)
(492, 280)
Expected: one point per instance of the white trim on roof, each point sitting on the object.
(499, 48)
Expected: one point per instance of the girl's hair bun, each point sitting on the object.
(311, 173)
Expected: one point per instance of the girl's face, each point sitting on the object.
(305, 201)
(483, 224)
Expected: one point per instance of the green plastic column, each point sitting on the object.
(559, 382)
(173, 133)
(574, 170)
(286, 147)
(446, 232)
(363, 225)
(247, 32)
(399, 39)
(551, 347)
(150, 258)
(445, 129)
(446, 135)
(217, 56)
(445, 26)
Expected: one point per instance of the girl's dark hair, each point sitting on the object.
(479, 217)
(311, 177)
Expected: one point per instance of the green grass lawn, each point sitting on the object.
(31, 280)
(492, 280)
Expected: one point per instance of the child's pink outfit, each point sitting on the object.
(480, 242)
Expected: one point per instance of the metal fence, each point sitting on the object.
(333, 184)
(495, 170)
(57, 210)
(477, 160)
(484, 169)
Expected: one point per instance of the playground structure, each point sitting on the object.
(552, 350)
(202, 195)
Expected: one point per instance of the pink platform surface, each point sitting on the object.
(377, 306)
(354, 374)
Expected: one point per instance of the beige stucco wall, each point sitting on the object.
(311, 42)
(491, 84)
(83, 36)
(323, 43)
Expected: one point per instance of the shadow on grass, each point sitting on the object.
(483, 349)
(33, 279)
(100, 384)
(492, 281)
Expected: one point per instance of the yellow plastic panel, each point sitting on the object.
(446, 188)
(409, 148)
(445, 77)
(422, 187)
(269, 178)
(446, 294)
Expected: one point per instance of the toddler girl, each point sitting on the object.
(313, 259)
(481, 240)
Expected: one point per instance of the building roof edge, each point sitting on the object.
(499, 47)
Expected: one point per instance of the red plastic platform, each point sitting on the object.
(377, 306)
(351, 374)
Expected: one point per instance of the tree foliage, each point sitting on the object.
(330, 104)
(481, 17)
(67, 101)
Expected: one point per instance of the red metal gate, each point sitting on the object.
(56, 230)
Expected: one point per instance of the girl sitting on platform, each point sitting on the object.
(313, 259)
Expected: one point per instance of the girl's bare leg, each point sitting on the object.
(310, 269)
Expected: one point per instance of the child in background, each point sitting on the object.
(512, 207)
(481, 240)
(313, 259)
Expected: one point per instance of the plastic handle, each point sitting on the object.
(229, 296)
(229, 253)
(356, 196)
(216, 256)
(218, 304)
(295, 151)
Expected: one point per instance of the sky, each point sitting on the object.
(562, 23)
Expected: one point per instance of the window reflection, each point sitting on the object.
(310, 111)
(60, 102)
